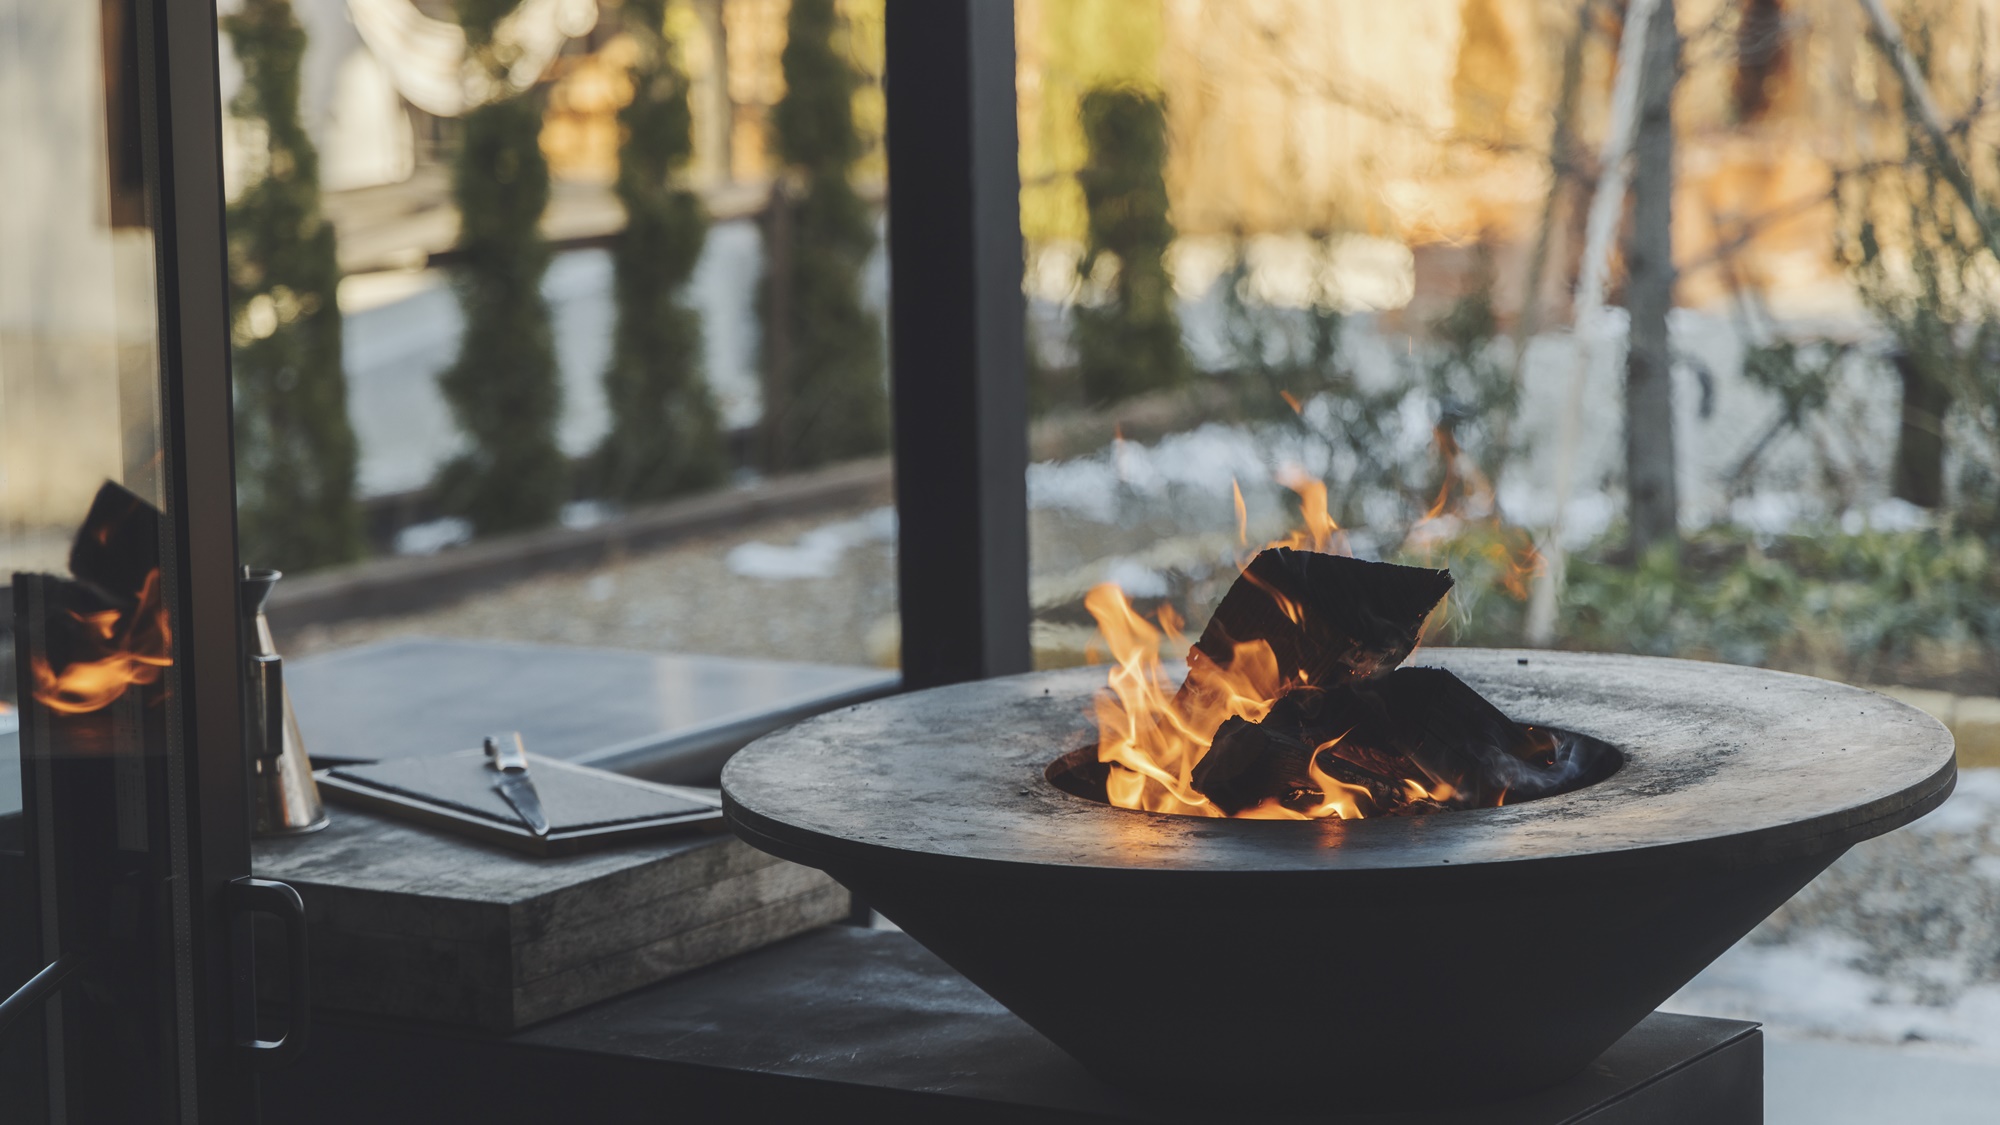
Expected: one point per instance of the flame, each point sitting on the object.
(1466, 500)
(1321, 533)
(139, 646)
(1155, 735)
(1152, 735)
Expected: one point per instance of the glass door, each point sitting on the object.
(124, 838)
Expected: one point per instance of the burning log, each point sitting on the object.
(1347, 722)
(1294, 707)
(1249, 763)
(117, 548)
(1472, 753)
(1417, 740)
(1329, 619)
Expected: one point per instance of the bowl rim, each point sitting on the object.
(1722, 764)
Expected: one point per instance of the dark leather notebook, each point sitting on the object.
(585, 807)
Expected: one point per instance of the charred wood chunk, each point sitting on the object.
(1329, 619)
(118, 545)
(1249, 763)
(1451, 733)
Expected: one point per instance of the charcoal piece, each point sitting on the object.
(1249, 763)
(118, 545)
(1329, 619)
(1385, 790)
(1451, 733)
(1369, 757)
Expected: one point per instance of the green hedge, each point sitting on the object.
(296, 452)
(665, 437)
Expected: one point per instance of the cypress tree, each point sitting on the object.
(825, 396)
(295, 449)
(1129, 343)
(664, 436)
(504, 389)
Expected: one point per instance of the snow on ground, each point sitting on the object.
(816, 553)
(1897, 943)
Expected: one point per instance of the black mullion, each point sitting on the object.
(211, 793)
(957, 347)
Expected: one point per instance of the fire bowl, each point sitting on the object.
(1460, 957)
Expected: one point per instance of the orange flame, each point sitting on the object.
(1321, 533)
(140, 647)
(1466, 497)
(1144, 728)
(1152, 735)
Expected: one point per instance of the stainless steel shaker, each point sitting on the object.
(288, 801)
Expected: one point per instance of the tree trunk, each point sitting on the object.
(1919, 472)
(1649, 294)
(715, 111)
(775, 426)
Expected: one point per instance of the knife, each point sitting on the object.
(507, 756)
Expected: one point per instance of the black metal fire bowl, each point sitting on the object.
(1459, 957)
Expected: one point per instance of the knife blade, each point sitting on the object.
(507, 756)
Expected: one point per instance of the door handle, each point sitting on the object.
(267, 896)
(39, 988)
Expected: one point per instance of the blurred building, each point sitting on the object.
(1431, 123)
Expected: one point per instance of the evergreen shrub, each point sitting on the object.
(665, 437)
(1128, 337)
(825, 397)
(504, 390)
(296, 452)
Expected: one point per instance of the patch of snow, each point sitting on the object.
(432, 536)
(1203, 460)
(1973, 806)
(1769, 513)
(817, 553)
(587, 513)
(1892, 514)
(1135, 578)
(1814, 987)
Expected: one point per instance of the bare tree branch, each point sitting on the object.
(1917, 95)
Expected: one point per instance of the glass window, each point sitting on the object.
(90, 670)
(590, 308)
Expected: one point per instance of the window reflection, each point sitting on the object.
(89, 723)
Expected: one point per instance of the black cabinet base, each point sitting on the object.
(849, 1024)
